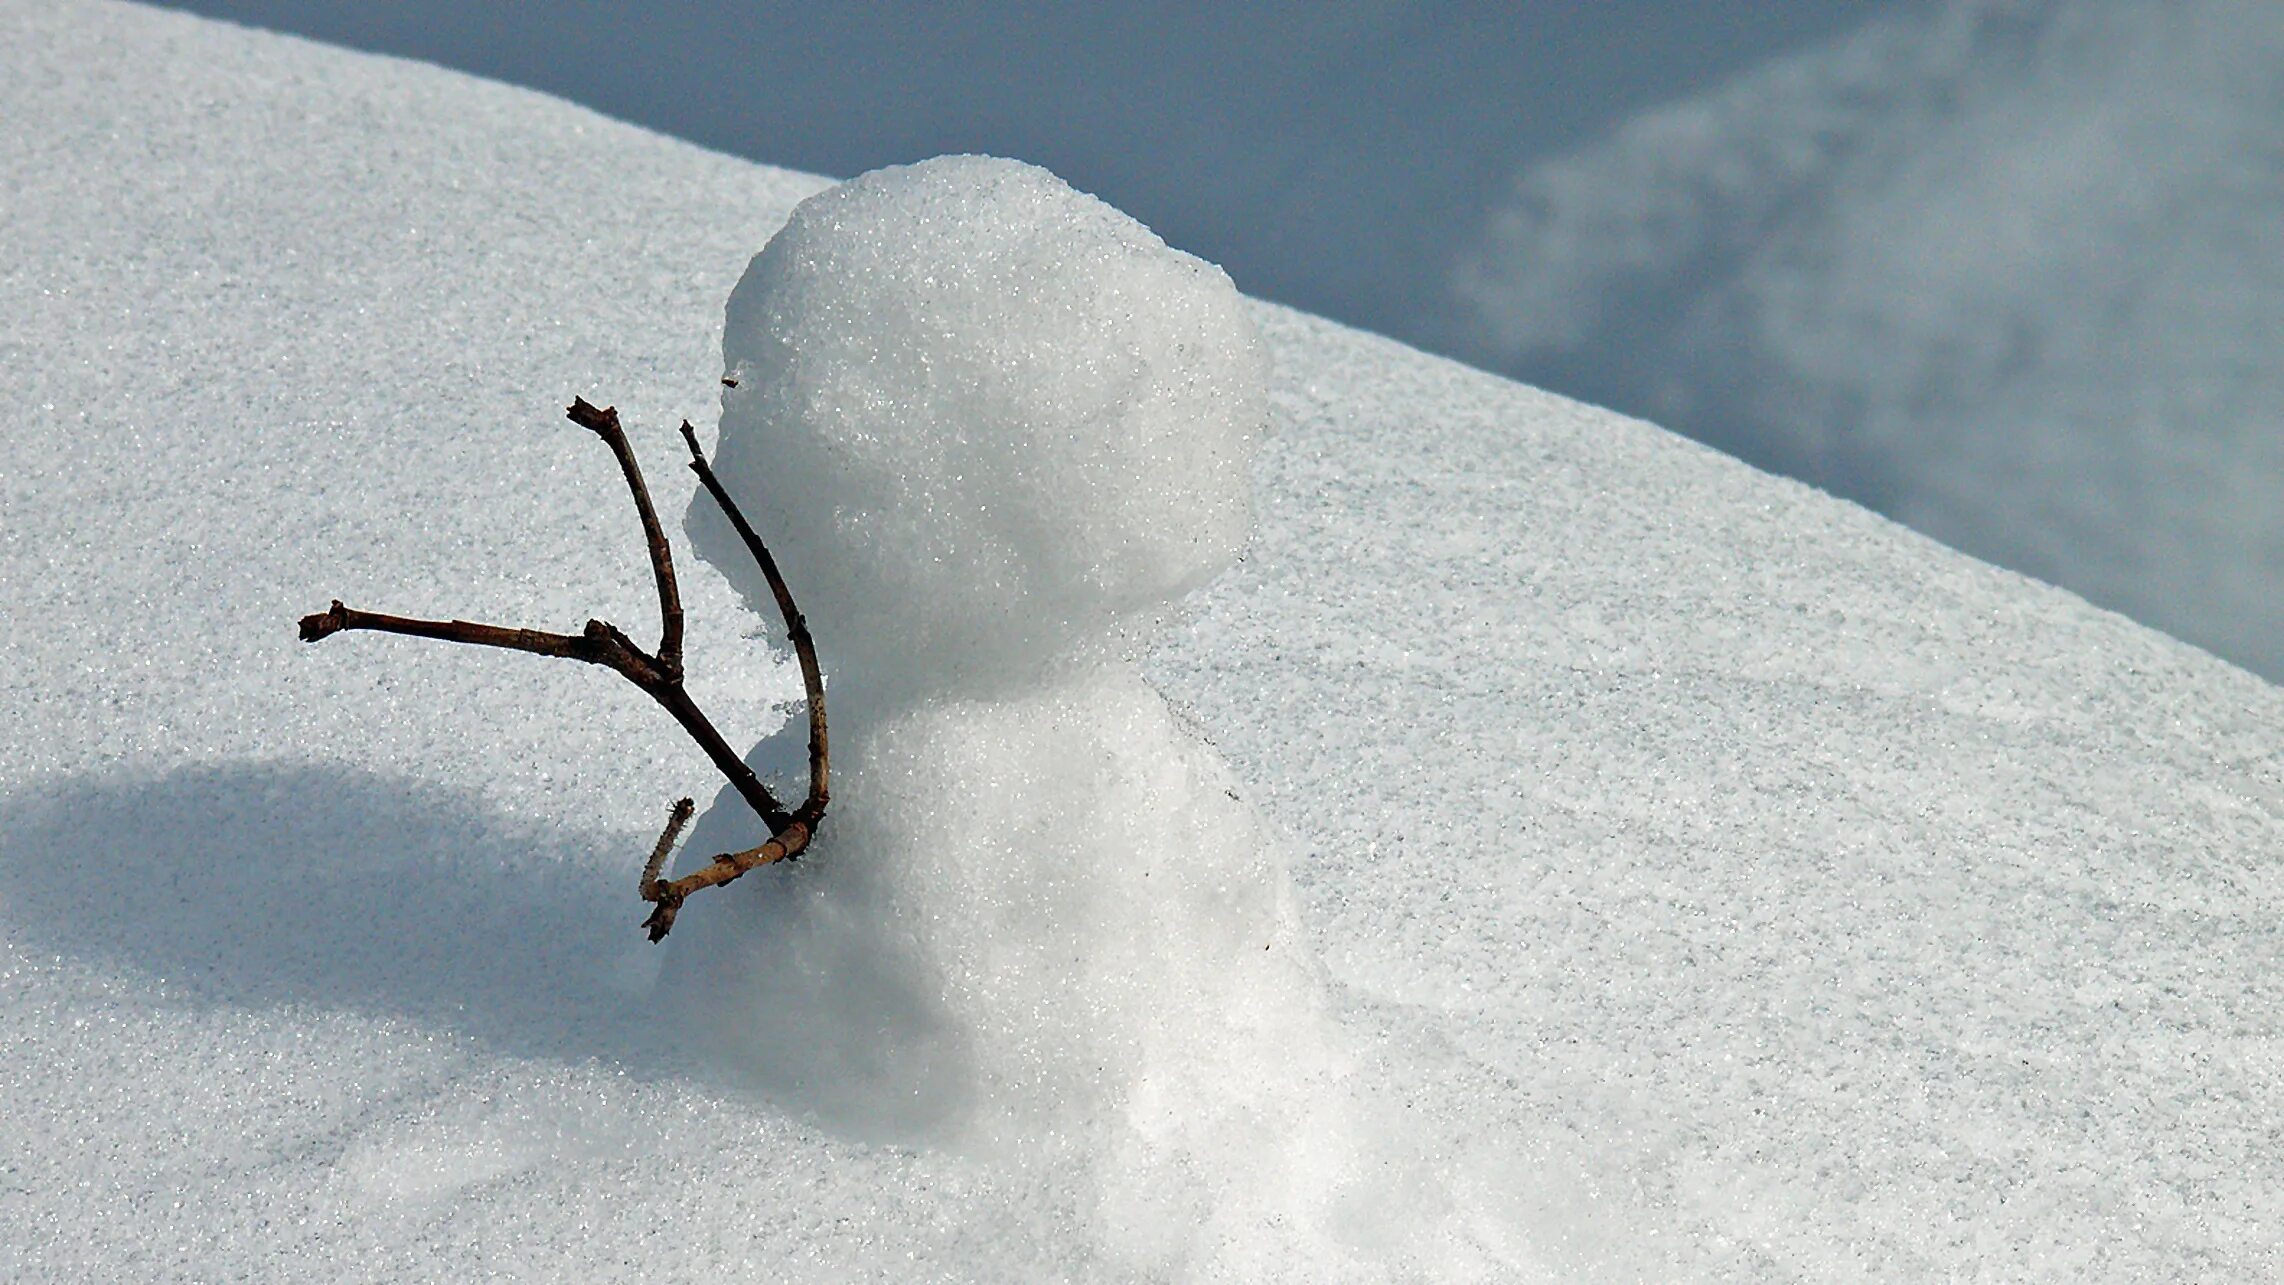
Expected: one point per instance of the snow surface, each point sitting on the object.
(2010, 271)
(976, 407)
(2005, 270)
(1000, 427)
(1709, 879)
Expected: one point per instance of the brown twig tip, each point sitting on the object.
(593, 418)
(678, 817)
(325, 623)
(661, 920)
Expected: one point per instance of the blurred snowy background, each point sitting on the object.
(2011, 271)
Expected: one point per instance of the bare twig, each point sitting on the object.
(659, 676)
(604, 423)
(796, 624)
(782, 846)
(676, 818)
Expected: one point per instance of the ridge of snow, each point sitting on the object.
(1723, 882)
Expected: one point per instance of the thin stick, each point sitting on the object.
(785, 845)
(602, 644)
(796, 627)
(676, 818)
(659, 676)
(338, 618)
(604, 423)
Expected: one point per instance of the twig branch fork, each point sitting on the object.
(659, 675)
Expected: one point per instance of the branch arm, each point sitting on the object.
(786, 844)
(677, 702)
(339, 619)
(796, 627)
(659, 676)
(603, 422)
(678, 817)
(602, 644)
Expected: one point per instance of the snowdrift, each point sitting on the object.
(2011, 273)
(1699, 877)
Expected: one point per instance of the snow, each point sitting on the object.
(990, 422)
(2006, 271)
(2000, 269)
(1044, 932)
(1706, 878)
(978, 408)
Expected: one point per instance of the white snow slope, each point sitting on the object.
(1712, 880)
(2011, 271)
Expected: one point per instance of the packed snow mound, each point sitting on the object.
(970, 924)
(1044, 931)
(1711, 880)
(980, 414)
(2012, 273)
(1039, 924)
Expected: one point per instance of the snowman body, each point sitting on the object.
(993, 430)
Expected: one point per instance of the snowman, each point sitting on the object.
(994, 430)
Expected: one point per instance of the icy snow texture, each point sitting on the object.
(2011, 271)
(983, 419)
(985, 422)
(1722, 882)
(1044, 931)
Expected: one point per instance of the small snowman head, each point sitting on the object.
(986, 422)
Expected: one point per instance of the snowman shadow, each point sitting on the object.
(257, 885)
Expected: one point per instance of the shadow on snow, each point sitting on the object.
(259, 885)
